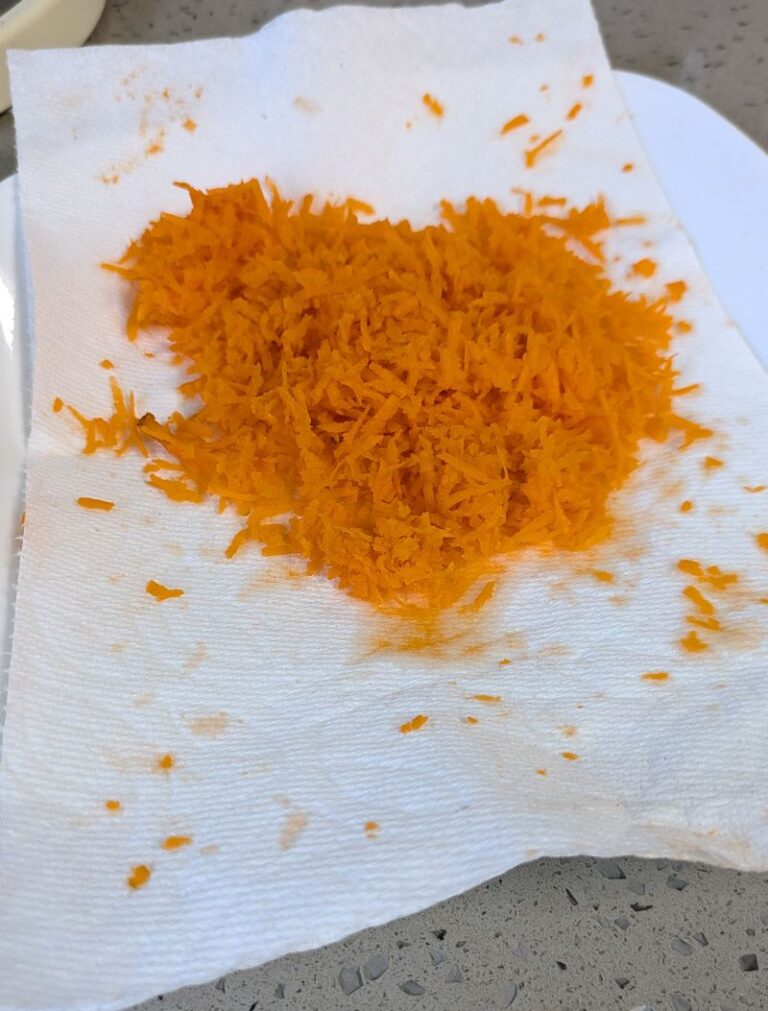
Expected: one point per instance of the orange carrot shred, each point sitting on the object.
(628, 166)
(630, 219)
(166, 762)
(160, 592)
(112, 805)
(432, 104)
(683, 326)
(692, 643)
(569, 756)
(655, 675)
(472, 720)
(490, 700)
(175, 842)
(415, 724)
(712, 462)
(676, 290)
(533, 154)
(644, 267)
(513, 124)
(753, 489)
(541, 772)
(57, 405)
(96, 503)
(574, 110)
(588, 80)
(189, 124)
(139, 876)
(698, 599)
(762, 541)
(602, 576)
(105, 363)
(686, 506)
(371, 828)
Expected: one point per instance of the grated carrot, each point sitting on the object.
(603, 576)
(686, 506)
(753, 489)
(189, 124)
(416, 401)
(415, 724)
(139, 876)
(569, 756)
(471, 720)
(588, 80)
(644, 267)
(490, 700)
(655, 675)
(699, 601)
(165, 763)
(676, 290)
(574, 110)
(712, 462)
(57, 405)
(105, 363)
(628, 166)
(112, 805)
(432, 104)
(160, 592)
(692, 643)
(762, 541)
(96, 503)
(175, 842)
(514, 123)
(533, 154)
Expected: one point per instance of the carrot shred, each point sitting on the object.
(753, 489)
(112, 805)
(712, 463)
(691, 643)
(96, 503)
(176, 842)
(415, 724)
(139, 876)
(655, 675)
(574, 110)
(628, 166)
(57, 405)
(686, 506)
(513, 124)
(676, 290)
(160, 592)
(697, 598)
(436, 108)
(588, 80)
(644, 267)
(106, 363)
(395, 405)
(762, 541)
(533, 154)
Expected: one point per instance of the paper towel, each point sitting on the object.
(280, 713)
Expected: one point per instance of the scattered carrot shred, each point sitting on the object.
(713, 576)
(539, 37)
(686, 506)
(683, 391)
(165, 763)
(490, 700)
(415, 724)
(189, 124)
(505, 662)
(630, 220)
(96, 503)
(160, 592)
(541, 772)
(533, 154)
(482, 598)
(569, 756)
(692, 643)
(574, 110)
(762, 541)
(683, 326)
(588, 80)
(413, 403)
(644, 267)
(712, 462)
(515, 40)
(139, 876)
(432, 104)
(113, 805)
(371, 828)
(628, 166)
(676, 290)
(655, 675)
(57, 405)
(711, 624)
(175, 842)
(359, 206)
(753, 489)
(513, 124)
(106, 363)
(697, 598)
(472, 720)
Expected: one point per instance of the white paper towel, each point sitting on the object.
(281, 717)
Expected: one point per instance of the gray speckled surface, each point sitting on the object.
(555, 935)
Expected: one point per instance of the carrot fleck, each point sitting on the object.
(655, 675)
(113, 805)
(96, 503)
(175, 842)
(160, 592)
(415, 724)
(644, 267)
(574, 110)
(628, 166)
(683, 326)
(712, 462)
(588, 80)
(515, 40)
(189, 124)
(602, 576)
(692, 643)
(699, 601)
(139, 876)
(490, 700)
(106, 363)
(505, 662)
(481, 599)
(371, 828)
(513, 124)
(472, 720)
(711, 624)
(762, 541)
(533, 154)
(753, 489)
(432, 104)
(569, 756)
(57, 405)
(539, 37)
(165, 763)
(686, 506)
(541, 772)
(676, 290)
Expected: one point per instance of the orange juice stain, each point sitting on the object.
(139, 876)
(568, 731)
(415, 724)
(176, 842)
(539, 37)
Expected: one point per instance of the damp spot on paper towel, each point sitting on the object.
(165, 763)
(139, 876)
(371, 829)
(294, 824)
(210, 726)
(197, 657)
(433, 106)
(416, 723)
(569, 731)
(305, 104)
(143, 700)
(117, 647)
(176, 842)
(113, 806)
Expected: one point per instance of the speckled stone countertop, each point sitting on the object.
(555, 935)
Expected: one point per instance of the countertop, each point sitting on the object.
(574, 934)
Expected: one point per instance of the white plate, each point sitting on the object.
(693, 150)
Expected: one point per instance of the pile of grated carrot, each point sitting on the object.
(399, 406)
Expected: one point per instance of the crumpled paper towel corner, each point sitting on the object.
(281, 720)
